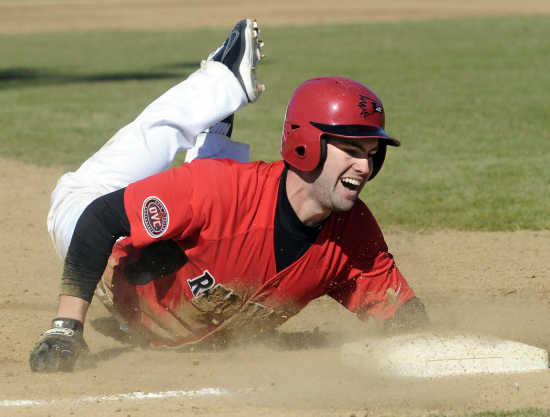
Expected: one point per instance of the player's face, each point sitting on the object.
(347, 168)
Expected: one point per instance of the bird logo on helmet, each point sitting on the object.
(338, 106)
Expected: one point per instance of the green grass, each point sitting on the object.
(467, 98)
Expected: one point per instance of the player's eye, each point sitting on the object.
(353, 152)
(373, 152)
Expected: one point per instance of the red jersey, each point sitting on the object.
(221, 213)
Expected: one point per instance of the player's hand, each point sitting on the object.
(58, 348)
(410, 316)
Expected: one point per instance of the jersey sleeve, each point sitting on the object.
(378, 292)
(169, 205)
(371, 284)
(101, 223)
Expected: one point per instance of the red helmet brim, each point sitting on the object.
(356, 132)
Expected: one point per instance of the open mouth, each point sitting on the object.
(350, 183)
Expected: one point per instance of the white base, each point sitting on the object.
(427, 355)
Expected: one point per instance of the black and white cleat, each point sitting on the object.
(241, 53)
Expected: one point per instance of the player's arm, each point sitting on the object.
(374, 286)
(96, 231)
(382, 292)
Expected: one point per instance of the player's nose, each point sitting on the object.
(363, 166)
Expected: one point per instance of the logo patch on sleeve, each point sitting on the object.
(154, 215)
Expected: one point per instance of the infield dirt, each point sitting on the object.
(487, 283)
(23, 16)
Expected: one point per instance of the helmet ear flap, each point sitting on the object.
(291, 135)
(301, 146)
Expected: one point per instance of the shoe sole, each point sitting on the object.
(251, 56)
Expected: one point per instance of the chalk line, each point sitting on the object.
(137, 395)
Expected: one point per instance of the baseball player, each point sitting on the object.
(216, 248)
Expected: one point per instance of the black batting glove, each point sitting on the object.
(410, 316)
(58, 348)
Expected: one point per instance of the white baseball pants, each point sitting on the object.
(177, 120)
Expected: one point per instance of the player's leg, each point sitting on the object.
(225, 82)
(216, 142)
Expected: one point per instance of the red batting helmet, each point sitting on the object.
(331, 105)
